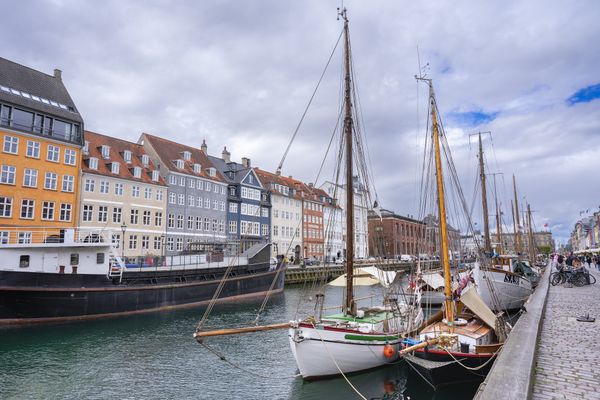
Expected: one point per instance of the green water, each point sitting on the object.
(155, 357)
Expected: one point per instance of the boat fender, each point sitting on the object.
(388, 351)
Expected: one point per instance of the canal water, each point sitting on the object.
(155, 357)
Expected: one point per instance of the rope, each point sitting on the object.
(473, 368)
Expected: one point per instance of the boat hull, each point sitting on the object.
(502, 290)
(43, 297)
(322, 353)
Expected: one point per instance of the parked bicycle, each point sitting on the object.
(576, 277)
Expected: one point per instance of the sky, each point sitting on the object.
(240, 74)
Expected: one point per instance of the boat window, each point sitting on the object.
(99, 258)
(75, 259)
(24, 261)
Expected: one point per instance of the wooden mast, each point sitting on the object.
(530, 231)
(486, 223)
(518, 237)
(444, 251)
(512, 208)
(350, 308)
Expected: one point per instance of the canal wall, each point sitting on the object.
(512, 376)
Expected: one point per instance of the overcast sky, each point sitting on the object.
(240, 73)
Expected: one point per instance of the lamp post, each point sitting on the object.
(123, 229)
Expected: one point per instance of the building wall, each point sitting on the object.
(286, 225)
(334, 233)
(142, 237)
(313, 234)
(392, 236)
(18, 192)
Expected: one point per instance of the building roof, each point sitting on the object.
(391, 214)
(169, 151)
(271, 179)
(18, 85)
(232, 171)
(117, 147)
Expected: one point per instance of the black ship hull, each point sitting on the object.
(28, 297)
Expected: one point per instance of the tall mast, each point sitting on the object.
(498, 219)
(531, 247)
(512, 208)
(486, 223)
(348, 128)
(518, 236)
(448, 303)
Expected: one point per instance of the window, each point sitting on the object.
(90, 185)
(27, 208)
(115, 167)
(265, 230)
(181, 181)
(191, 201)
(179, 244)
(172, 180)
(132, 242)
(119, 189)
(30, 177)
(199, 202)
(65, 212)
(232, 191)
(212, 172)
(187, 155)
(48, 210)
(265, 212)
(207, 203)
(223, 190)
(137, 172)
(70, 157)
(206, 224)
(88, 211)
(233, 227)
(102, 213)
(158, 218)
(86, 147)
(157, 243)
(207, 186)
(190, 222)
(93, 163)
(133, 216)
(33, 149)
(68, 183)
(181, 199)
(4, 237)
(127, 156)
(233, 207)
(198, 223)
(170, 245)
(215, 205)
(171, 221)
(172, 198)
(197, 168)
(6, 206)
(180, 221)
(200, 185)
(53, 153)
(146, 218)
(24, 238)
(135, 191)
(8, 174)
(11, 145)
(155, 175)
(145, 241)
(216, 189)
(214, 225)
(105, 150)
(221, 227)
(104, 187)
(50, 181)
(192, 183)
(115, 240)
(116, 215)
(276, 230)
(179, 164)
(147, 193)
(159, 195)
(145, 160)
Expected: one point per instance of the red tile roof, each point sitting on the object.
(169, 151)
(117, 147)
(303, 191)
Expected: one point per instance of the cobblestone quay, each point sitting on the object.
(568, 353)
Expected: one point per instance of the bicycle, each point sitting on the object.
(578, 277)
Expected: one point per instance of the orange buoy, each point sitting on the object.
(388, 351)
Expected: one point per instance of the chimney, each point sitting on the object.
(204, 147)
(225, 155)
(310, 185)
(58, 74)
(246, 162)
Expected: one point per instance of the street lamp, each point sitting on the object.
(123, 229)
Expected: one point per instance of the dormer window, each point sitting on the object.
(115, 167)
(155, 175)
(212, 171)
(187, 155)
(137, 172)
(105, 151)
(127, 156)
(197, 168)
(93, 163)
(86, 148)
(145, 160)
(179, 164)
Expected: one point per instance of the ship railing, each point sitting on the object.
(180, 263)
(34, 235)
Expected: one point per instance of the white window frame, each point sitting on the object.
(53, 153)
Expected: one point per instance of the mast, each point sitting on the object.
(512, 208)
(518, 236)
(448, 303)
(531, 247)
(486, 223)
(498, 218)
(350, 308)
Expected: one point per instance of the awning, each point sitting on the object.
(367, 276)
(434, 280)
(475, 303)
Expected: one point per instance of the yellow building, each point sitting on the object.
(41, 139)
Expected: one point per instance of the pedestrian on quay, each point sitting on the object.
(570, 259)
(588, 260)
(559, 262)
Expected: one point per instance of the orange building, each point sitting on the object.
(313, 234)
(41, 139)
